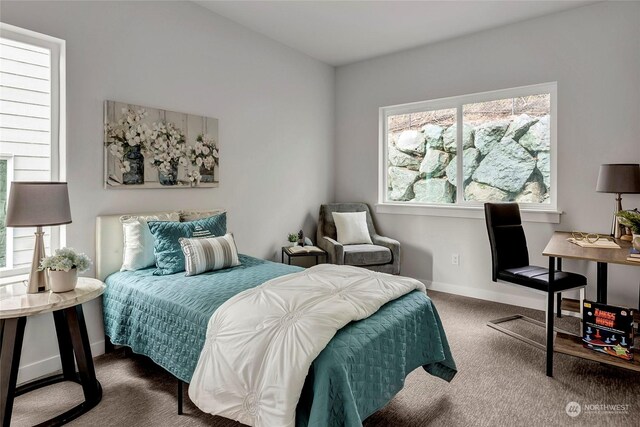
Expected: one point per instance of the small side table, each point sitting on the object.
(317, 254)
(15, 306)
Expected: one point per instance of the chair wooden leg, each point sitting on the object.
(180, 394)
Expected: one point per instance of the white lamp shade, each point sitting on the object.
(33, 204)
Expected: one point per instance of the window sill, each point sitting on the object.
(476, 212)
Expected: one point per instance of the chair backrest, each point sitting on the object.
(506, 236)
(326, 226)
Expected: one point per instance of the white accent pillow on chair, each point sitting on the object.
(351, 228)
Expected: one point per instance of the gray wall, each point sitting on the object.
(274, 104)
(592, 52)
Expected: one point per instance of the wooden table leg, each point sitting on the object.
(82, 349)
(12, 332)
(549, 324)
(64, 345)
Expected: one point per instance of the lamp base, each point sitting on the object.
(38, 280)
(617, 230)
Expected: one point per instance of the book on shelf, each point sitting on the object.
(309, 249)
(608, 329)
(634, 253)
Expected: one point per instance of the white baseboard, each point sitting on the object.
(536, 302)
(50, 365)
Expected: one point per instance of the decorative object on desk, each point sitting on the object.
(608, 329)
(38, 204)
(622, 178)
(634, 255)
(292, 238)
(300, 238)
(63, 267)
(153, 148)
(592, 240)
(631, 220)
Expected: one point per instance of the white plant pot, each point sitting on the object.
(63, 281)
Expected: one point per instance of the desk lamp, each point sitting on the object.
(618, 179)
(38, 204)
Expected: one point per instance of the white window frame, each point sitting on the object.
(533, 212)
(9, 233)
(58, 126)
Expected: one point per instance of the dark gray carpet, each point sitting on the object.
(501, 382)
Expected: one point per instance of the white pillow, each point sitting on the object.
(137, 252)
(351, 227)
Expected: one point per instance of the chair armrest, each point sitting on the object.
(333, 248)
(392, 244)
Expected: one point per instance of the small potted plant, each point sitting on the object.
(63, 267)
(631, 219)
(293, 239)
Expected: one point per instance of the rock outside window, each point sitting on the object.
(506, 139)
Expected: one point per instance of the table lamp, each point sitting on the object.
(38, 204)
(618, 178)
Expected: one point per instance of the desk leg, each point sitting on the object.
(549, 325)
(602, 282)
(12, 332)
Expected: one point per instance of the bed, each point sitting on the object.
(359, 371)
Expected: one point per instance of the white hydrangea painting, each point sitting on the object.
(153, 148)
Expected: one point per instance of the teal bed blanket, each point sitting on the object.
(360, 370)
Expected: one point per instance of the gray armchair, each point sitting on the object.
(383, 255)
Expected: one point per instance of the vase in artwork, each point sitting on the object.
(135, 175)
(206, 175)
(170, 177)
(63, 281)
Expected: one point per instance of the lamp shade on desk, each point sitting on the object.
(38, 204)
(620, 178)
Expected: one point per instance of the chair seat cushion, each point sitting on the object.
(536, 277)
(366, 255)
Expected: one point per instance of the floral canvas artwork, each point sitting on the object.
(153, 148)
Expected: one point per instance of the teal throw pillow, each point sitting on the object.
(167, 234)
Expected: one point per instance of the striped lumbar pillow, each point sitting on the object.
(206, 254)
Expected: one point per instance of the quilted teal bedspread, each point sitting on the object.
(360, 370)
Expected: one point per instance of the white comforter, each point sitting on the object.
(261, 343)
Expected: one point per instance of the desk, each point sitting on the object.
(558, 247)
(15, 306)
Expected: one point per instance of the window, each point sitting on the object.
(31, 132)
(506, 139)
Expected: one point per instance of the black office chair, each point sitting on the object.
(510, 263)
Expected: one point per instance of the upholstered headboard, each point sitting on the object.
(109, 239)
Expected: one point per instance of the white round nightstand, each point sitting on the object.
(15, 307)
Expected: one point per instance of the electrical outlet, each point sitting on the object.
(455, 259)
